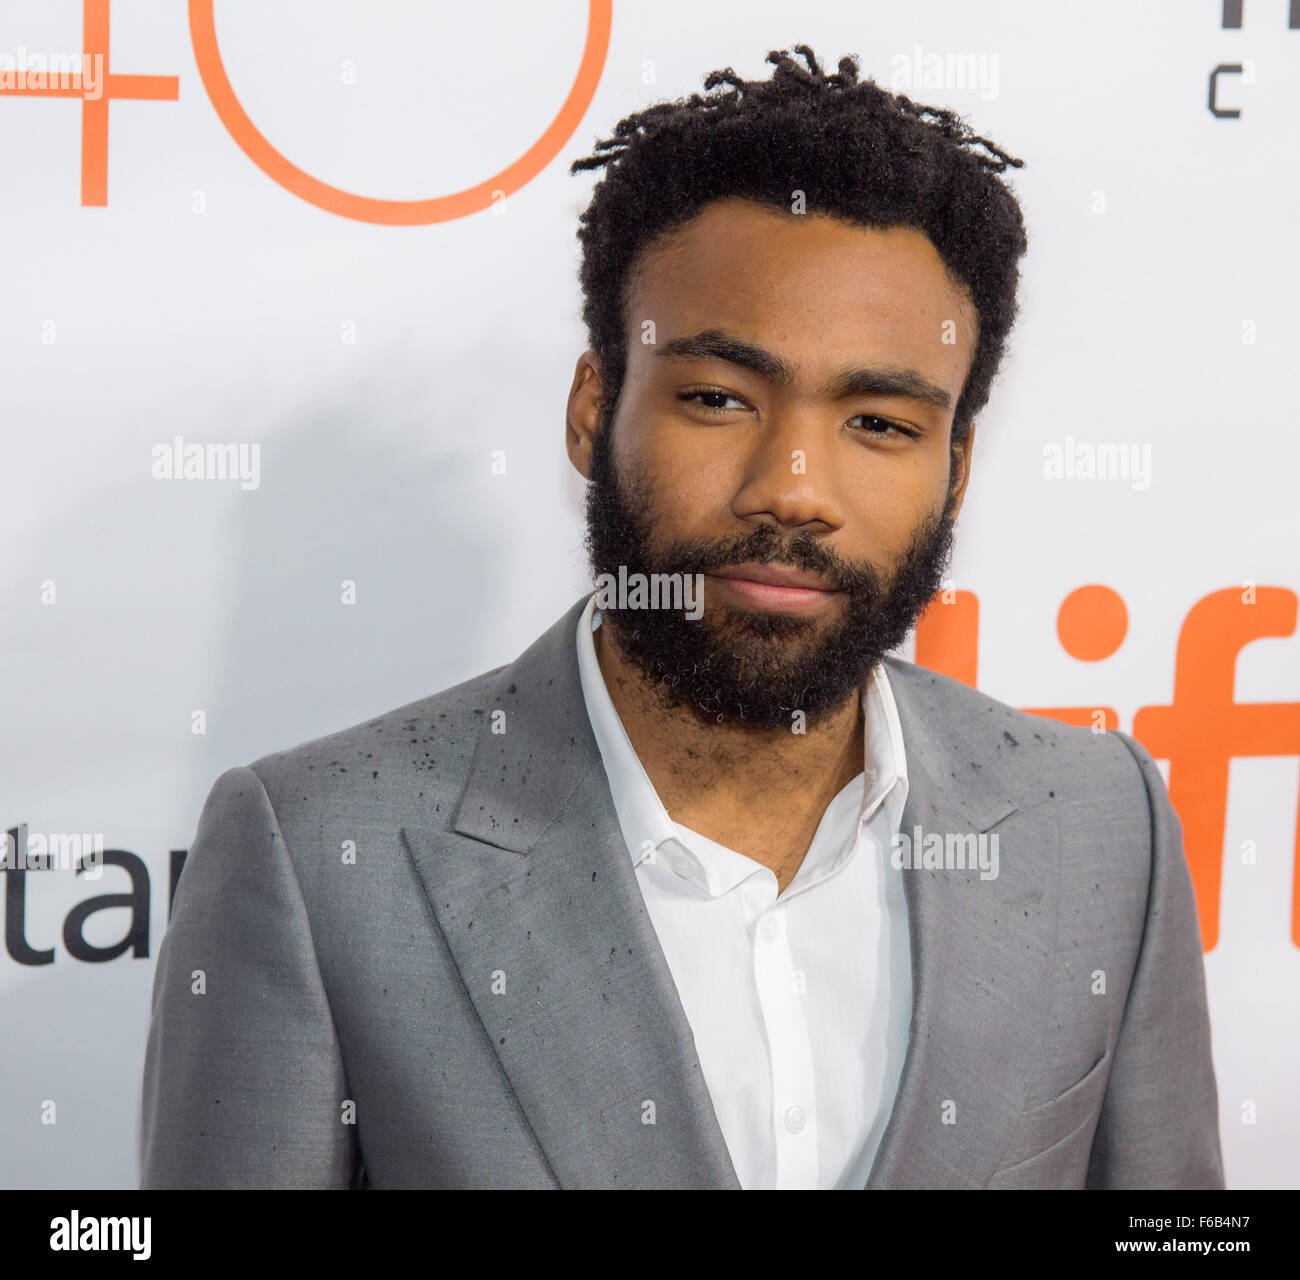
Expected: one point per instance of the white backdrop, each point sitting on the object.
(378, 368)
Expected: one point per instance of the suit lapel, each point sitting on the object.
(979, 948)
(537, 899)
(536, 896)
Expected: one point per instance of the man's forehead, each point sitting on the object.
(737, 264)
(817, 289)
(735, 229)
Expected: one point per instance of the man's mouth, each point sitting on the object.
(778, 587)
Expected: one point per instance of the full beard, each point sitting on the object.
(754, 667)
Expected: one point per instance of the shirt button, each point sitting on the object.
(682, 865)
(770, 929)
(795, 1119)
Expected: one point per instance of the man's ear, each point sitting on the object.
(582, 415)
(960, 464)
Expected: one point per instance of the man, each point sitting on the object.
(715, 893)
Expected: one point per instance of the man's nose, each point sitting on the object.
(790, 475)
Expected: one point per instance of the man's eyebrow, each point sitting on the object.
(885, 380)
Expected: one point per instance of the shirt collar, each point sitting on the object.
(642, 817)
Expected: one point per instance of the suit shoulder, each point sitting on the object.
(1027, 749)
(435, 732)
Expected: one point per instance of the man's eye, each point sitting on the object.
(878, 426)
(712, 399)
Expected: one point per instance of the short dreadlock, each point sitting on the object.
(857, 152)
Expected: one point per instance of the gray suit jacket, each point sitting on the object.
(415, 954)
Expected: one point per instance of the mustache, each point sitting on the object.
(766, 546)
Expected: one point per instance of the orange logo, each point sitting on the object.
(347, 204)
(94, 107)
(1201, 730)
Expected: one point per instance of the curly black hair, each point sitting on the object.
(857, 152)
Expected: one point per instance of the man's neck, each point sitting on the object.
(761, 792)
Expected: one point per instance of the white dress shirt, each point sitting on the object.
(800, 1002)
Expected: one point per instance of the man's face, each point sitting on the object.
(784, 429)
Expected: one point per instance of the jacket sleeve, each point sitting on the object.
(1159, 1124)
(243, 1079)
